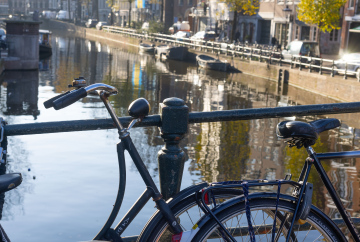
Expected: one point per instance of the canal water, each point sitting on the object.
(70, 179)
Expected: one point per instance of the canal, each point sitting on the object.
(70, 179)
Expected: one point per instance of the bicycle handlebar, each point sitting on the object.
(49, 103)
(68, 98)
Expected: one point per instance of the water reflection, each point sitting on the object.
(21, 93)
(216, 151)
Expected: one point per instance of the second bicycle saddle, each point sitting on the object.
(303, 133)
(9, 181)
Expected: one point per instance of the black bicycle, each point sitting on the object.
(174, 218)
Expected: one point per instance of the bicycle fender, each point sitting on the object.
(235, 200)
(157, 216)
(305, 205)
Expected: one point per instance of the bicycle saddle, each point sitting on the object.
(9, 181)
(303, 133)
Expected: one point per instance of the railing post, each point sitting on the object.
(332, 69)
(320, 69)
(345, 74)
(310, 64)
(3, 142)
(171, 158)
(260, 55)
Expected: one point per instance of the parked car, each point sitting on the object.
(353, 64)
(180, 35)
(100, 25)
(302, 48)
(91, 23)
(62, 15)
(203, 36)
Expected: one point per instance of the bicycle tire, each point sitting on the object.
(184, 212)
(316, 228)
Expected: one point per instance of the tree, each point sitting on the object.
(87, 3)
(323, 13)
(130, 3)
(113, 4)
(241, 7)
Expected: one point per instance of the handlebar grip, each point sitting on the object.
(49, 103)
(69, 98)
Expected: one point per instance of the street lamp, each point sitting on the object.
(287, 12)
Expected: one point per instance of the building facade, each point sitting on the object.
(349, 34)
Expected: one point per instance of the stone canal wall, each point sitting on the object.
(335, 88)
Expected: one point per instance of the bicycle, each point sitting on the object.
(291, 217)
(167, 221)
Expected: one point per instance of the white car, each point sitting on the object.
(100, 25)
(351, 62)
(201, 36)
(180, 35)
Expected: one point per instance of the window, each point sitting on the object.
(297, 32)
(181, 2)
(305, 33)
(190, 2)
(351, 3)
(314, 33)
(334, 35)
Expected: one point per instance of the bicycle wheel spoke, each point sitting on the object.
(318, 237)
(187, 212)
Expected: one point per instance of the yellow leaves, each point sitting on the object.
(324, 13)
(246, 7)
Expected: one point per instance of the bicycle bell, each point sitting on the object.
(139, 108)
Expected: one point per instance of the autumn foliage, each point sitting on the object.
(323, 13)
(245, 7)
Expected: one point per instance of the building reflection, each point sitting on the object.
(247, 149)
(21, 92)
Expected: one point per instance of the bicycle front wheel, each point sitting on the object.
(317, 226)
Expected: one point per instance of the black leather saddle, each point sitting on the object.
(302, 133)
(9, 181)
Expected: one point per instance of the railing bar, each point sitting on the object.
(74, 125)
(194, 117)
(260, 113)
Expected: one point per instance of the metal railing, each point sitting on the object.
(253, 53)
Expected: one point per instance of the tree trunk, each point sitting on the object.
(162, 11)
(130, 2)
(95, 8)
(234, 26)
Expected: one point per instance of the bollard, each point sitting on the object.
(174, 116)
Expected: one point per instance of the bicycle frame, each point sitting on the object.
(151, 189)
(299, 186)
(329, 186)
